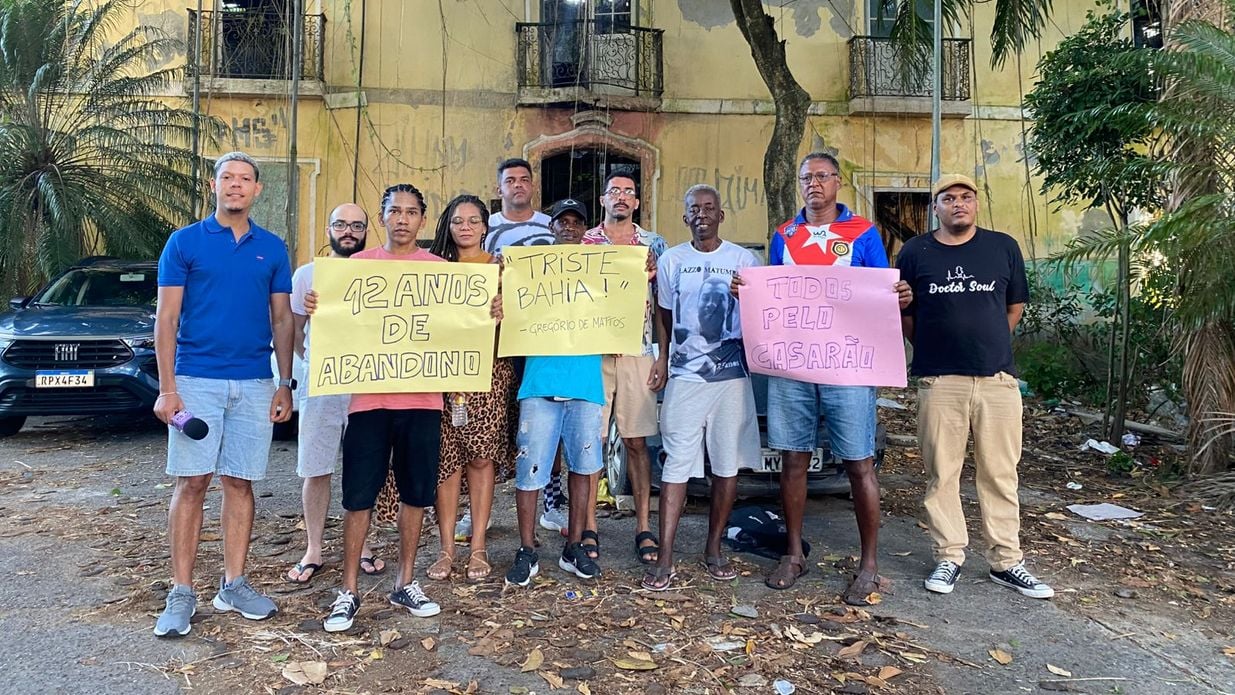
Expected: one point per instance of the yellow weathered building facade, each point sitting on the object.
(436, 93)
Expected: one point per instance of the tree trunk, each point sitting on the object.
(1209, 386)
(792, 103)
(1119, 405)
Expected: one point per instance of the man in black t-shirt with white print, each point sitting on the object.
(969, 290)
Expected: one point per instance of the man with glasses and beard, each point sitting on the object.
(323, 418)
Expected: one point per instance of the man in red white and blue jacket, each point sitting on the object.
(825, 232)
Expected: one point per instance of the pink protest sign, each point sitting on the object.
(823, 324)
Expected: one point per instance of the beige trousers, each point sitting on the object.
(949, 407)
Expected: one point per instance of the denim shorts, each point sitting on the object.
(322, 421)
(793, 417)
(543, 422)
(237, 411)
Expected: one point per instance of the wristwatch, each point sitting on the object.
(289, 383)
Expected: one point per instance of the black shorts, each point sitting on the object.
(405, 440)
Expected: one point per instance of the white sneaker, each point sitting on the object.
(463, 529)
(553, 520)
(1019, 578)
(413, 598)
(342, 612)
(943, 579)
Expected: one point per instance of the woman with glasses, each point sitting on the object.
(478, 429)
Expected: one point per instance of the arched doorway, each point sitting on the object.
(580, 173)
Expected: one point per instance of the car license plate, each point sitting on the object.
(771, 461)
(66, 378)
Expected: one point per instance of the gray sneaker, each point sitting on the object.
(240, 597)
(181, 607)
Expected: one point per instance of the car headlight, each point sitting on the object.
(146, 342)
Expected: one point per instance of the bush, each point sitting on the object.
(1061, 342)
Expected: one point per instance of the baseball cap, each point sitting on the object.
(567, 205)
(947, 181)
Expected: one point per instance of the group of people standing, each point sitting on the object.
(226, 295)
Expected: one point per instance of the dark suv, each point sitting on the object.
(83, 345)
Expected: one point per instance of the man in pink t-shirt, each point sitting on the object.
(399, 431)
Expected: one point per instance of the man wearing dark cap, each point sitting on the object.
(560, 399)
(969, 289)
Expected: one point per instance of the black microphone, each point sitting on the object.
(190, 426)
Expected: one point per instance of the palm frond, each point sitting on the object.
(91, 160)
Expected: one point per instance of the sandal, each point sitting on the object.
(372, 561)
(787, 572)
(720, 569)
(864, 584)
(647, 551)
(658, 578)
(441, 567)
(592, 549)
(478, 566)
(301, 567)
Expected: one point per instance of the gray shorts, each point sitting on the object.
(719, 415)
(322, 421)
(238, 415)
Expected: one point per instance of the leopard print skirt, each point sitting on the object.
(493, 419)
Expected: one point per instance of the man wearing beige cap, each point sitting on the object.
(969, 289)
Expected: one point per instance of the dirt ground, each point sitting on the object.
(1142, 606)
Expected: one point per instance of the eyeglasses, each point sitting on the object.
(615, 192)
(473, 221)
(340, 225)
(820, 176)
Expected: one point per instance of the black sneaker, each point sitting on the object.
(526, 566)
(413, 598)
(1019, 578)
(342, 612)
(943, 579)
(575, 560)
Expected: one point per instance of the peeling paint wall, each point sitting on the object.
(443, 109)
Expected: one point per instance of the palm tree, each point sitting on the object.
(1196, 113)
(92, 160)
(1016, 23)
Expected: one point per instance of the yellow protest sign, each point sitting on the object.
(573, 299)
(401, 327)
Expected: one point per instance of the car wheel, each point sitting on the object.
(9, 426)
(285, 431)
(615, 462)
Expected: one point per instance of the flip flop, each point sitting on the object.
(301, 567)
(371, 561)
(720, 569)
(656, 574)
(646, 551)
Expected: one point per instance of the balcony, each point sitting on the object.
(880, 83)
(590, 61)
(250, 51)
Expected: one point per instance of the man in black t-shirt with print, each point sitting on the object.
(969, 290)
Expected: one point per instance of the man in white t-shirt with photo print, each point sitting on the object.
(708, 402)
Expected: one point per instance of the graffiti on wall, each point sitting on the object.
(737, 191)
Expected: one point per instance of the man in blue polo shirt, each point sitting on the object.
(224, 294)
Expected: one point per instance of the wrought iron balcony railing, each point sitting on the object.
(254, 44)
(875, 70)
(589, 54)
